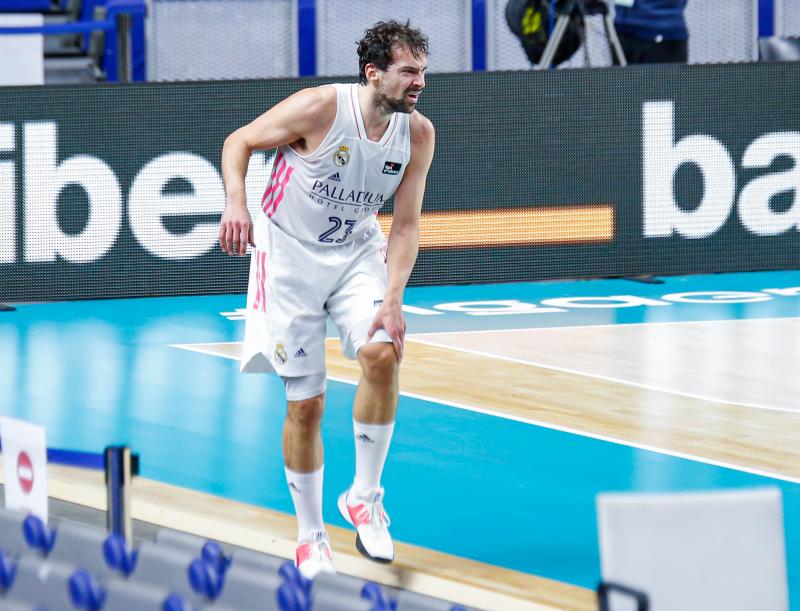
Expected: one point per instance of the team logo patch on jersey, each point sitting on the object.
(342, 157)
(335, 177)
(280, 354)
(392, 167)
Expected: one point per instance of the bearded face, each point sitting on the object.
(400, 85)
(405, 103)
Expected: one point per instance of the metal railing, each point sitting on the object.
(118, 24)
(119, 466)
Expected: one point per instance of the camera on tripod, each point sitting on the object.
(532, 21)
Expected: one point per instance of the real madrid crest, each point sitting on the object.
(342, 156)
(280, 354)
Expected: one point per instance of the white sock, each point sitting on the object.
(306, 491)
(372, 445)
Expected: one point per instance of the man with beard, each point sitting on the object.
(342, 151)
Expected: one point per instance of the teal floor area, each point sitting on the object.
(508, 493)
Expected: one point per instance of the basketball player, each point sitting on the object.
(342, 151)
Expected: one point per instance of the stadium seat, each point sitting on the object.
(245, 588)
(257, 561)
(82, 545)
(337, 592)
(12, 541)
(8, 571)
(167, 568)
(124, 595)
(179, 539)
(240, 557)
(10, 605)
(694, 551)
(39, 537)
(41, 583)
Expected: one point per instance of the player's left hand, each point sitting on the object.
(390, 318)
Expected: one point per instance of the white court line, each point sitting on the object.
(546, 425)
(609, 324)
(564, 429)
(196, 348)
(597, 376)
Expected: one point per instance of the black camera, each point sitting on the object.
(531, 21)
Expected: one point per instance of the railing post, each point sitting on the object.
(118, 489)
(124, 24)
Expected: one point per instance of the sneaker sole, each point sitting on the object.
(341, 504)
(360, 547)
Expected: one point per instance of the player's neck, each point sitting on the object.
(375, 120)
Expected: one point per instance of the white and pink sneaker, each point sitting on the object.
(313, 555)
(371, 523)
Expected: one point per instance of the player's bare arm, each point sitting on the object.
(404, 234)
(301, 120)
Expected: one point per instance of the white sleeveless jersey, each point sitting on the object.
(332, 196)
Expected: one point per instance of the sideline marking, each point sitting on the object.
(596, 376)
(596, 325)
(520, 419)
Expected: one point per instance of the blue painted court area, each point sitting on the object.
(478, 486)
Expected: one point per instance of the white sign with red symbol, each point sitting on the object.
(24, 466)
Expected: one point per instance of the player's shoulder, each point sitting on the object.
(314, 105)
(316, 98)
(420, 126)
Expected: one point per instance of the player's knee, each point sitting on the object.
(306, 415)
(379, 361)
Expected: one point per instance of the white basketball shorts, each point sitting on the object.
(295, 285)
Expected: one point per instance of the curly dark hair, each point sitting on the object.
(376, 46)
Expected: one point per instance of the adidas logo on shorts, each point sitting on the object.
(335, 177)
(300, 354)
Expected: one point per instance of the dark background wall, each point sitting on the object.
(700, 165)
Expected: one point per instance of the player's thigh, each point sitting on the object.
(357, 299)
(286, 304)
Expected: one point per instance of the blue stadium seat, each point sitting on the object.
(257, 561)
(245, 588)
(239, 557)
(183, 540)
(12, 541)
(125, 595)
(10, 605)
(83, 546)
(8, 571)
(337, 592)
(41, 583)
(167, 568)
(38, 535)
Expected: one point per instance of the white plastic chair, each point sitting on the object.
(707, 551)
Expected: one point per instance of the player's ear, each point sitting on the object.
(371, 72)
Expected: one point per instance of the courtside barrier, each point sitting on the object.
(119, 465)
